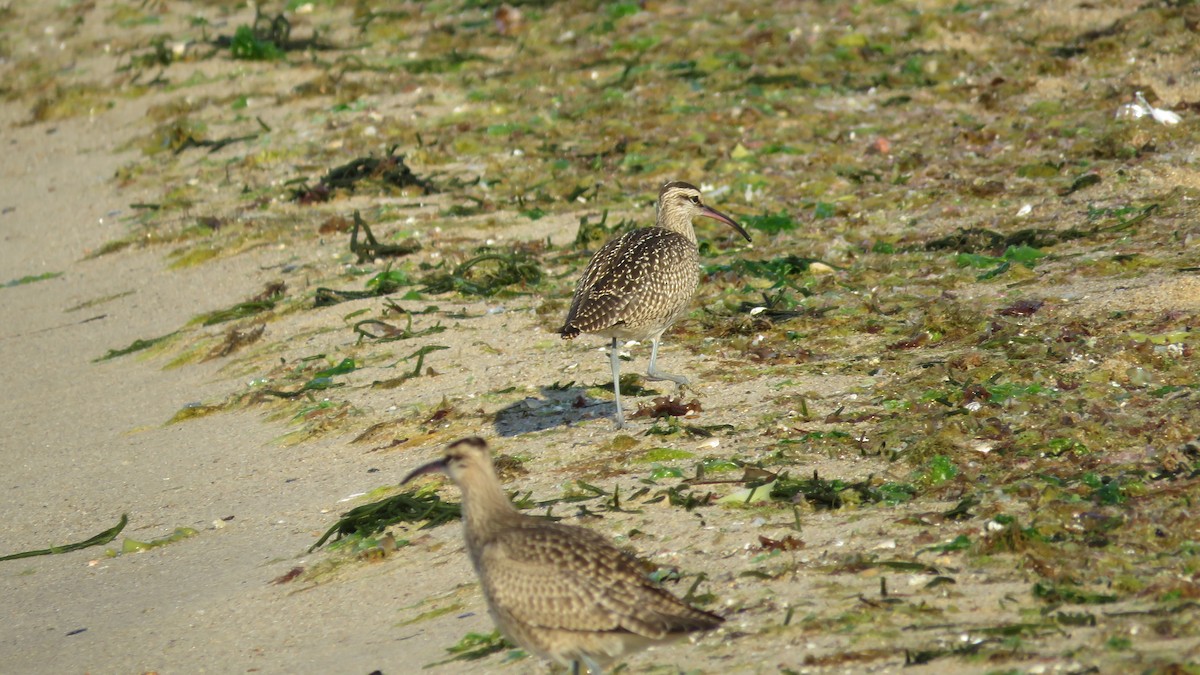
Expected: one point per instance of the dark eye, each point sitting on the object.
(695, 199)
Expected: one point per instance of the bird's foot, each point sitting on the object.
(659, 376)
(618, 417)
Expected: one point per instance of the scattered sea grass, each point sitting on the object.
(372, 248)
(497, 271)
(263, 302)
(98, 540)
(135, 346)
(413, 506)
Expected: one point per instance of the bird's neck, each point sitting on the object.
(485, 508)
(677, 223)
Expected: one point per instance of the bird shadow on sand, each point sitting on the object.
(560, 406)
(555, 407)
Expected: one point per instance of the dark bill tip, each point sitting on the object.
(710, 212)
(437, 466)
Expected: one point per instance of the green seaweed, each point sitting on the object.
(135, 546)
(263, 302)
(664, 455)
(31, 279)
(384, 283)
(136, 346)
(836, 493)
(496, 272)
(939, 469)
(1061, 593)
(421, 505)
(386, 332)
(389, 171)
(419, 355)
(247, 45)
(781, 269)
(194, 411)
(476, 646)
(97, 540)
(320, 380)
(770, 223)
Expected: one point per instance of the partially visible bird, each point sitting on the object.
(561, 592)
(638, 284)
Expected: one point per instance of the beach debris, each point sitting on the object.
(668, 406)
(262, 302)
(384, 283)
(31, 278)
(788, 543)
(288, 576)
(380, 331)
(419, 355)
(475, 646)
(320, 381)
(390, 170)
(413, 506)
(135, 346)
(266, 39)
(372, 248)
(234, 340)
(495, 273)
(135, 546)
(1140, 108)
(98, 540)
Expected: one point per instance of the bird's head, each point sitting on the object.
(680, 202)
(461, 457)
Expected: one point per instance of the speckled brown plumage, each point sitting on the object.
(640, 283)
(636, 286)
(561, 592)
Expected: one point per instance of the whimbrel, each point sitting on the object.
(561, 592)
(638, 284)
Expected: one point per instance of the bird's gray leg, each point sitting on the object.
(653, 373)
(593, 667)
(614, 356)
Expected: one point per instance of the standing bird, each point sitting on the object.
(638, 284)
(561, 592)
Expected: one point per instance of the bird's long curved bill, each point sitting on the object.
(437, 466)
(710, 212)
